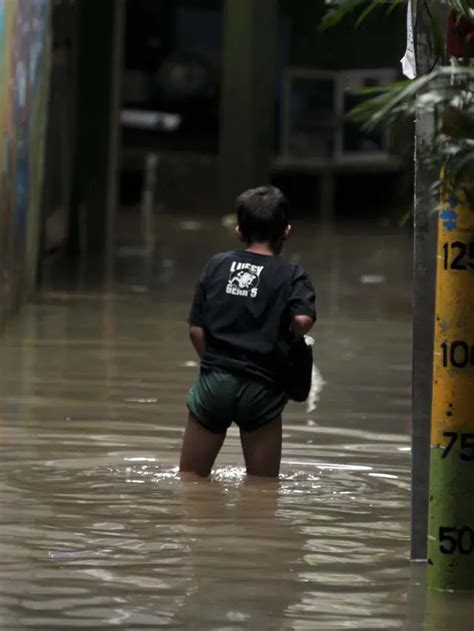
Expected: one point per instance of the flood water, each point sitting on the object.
(96, 530)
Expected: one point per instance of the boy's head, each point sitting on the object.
(262, 215)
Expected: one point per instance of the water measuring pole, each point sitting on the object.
(451, 521)
(451, 518)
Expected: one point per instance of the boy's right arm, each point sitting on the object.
(198, 339)
(196, 317)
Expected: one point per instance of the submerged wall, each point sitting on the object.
(24, 74)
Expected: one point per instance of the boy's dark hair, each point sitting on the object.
(262, 214)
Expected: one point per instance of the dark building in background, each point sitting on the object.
(221, 95)
(82, 142)
(179, 61)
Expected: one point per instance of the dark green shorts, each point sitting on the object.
(219, 398)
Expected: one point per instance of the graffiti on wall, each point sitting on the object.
(24, 68)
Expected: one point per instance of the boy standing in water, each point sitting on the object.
(248, 307)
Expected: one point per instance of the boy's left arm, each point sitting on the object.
(302, 304)
(301, 324)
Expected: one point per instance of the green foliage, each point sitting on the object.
(343, 8)
(444, 87)
(463, 8)
(446, 94)
(335, 15)
(361, 9)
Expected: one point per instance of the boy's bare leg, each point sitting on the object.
(262, 449)
(199, 450)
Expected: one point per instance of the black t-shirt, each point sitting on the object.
(244, 301)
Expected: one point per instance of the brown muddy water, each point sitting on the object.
(96, 530)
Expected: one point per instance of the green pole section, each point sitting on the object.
(248, 96)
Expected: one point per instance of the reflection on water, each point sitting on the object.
(95, 528)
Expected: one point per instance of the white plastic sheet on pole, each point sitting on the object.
(409, 60)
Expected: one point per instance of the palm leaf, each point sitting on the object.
(335, 15)
(368, 10)
(446, 93)
(462, 7)
(393, 101)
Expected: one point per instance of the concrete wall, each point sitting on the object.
(24, 72)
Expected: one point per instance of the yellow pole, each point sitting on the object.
(451, 524)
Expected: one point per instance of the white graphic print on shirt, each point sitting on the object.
(244, 279)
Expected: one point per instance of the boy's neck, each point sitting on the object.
(261, 248)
